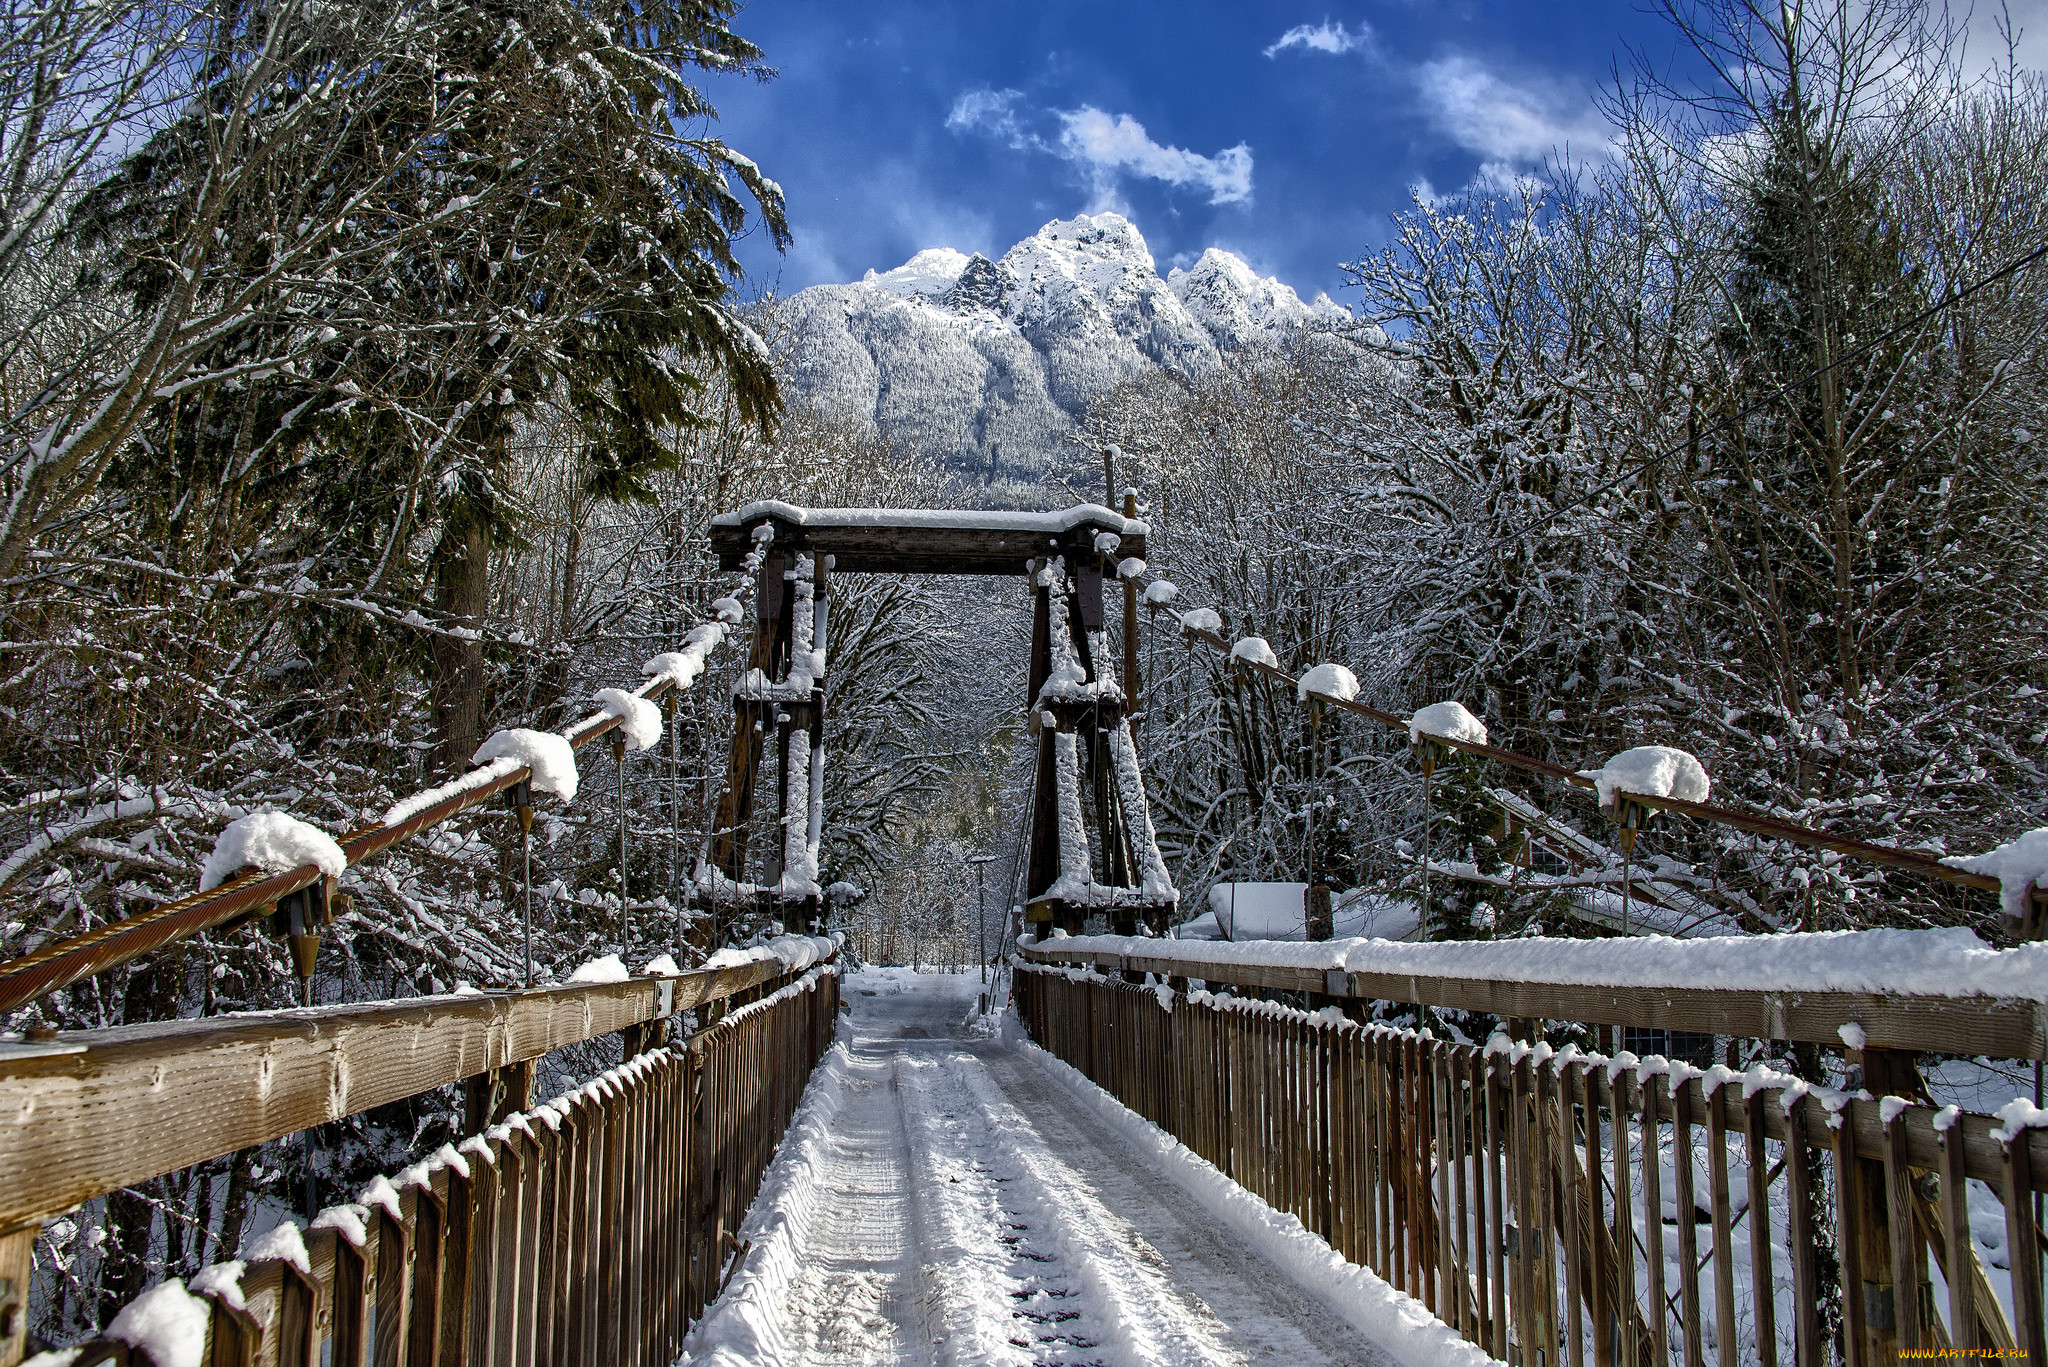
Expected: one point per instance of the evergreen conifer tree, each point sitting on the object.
(550, 237)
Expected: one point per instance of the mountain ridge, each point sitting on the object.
(990, 363)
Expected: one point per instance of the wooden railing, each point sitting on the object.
(591, 1229)
(1519, 1193)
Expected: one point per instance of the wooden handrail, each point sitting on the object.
(592, 1228)
(61, 963)
(1991, 1026)
(1770, 827)
(95, 1110)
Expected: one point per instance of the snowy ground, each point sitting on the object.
(952, 1196)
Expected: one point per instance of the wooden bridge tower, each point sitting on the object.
(1088, 797)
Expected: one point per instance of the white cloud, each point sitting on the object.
(809, 261)
(1505, 179)
(1108, 143)
(1505, 122)
(1334, 39)
(923, 216)
(989, 111)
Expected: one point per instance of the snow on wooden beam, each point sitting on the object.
(1990, 1026)
(926, 540)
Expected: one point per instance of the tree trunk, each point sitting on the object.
(462, 576)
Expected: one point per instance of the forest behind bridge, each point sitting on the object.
(369, 385)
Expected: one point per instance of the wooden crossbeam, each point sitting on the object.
(917, 541)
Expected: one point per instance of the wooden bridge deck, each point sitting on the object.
(968, 1206)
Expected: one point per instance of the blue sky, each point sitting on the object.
(1285, 133)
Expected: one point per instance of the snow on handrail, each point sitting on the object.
(1950, 962)
(1204, 625)
(54, 966)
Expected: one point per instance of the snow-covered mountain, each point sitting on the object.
(989, 363)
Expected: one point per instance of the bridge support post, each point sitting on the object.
(1882, 1228)
(1044, 863)
(489, 1098)
(1084, 625)
(1131, 680)
(17, 1263)
(808, 916)
(643, 1038)
(770, 653)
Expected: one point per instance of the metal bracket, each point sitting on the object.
(667, 988)
(1336, 982)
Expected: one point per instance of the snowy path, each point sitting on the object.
(960, 1206)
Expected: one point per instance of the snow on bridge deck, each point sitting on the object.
(949, 1198)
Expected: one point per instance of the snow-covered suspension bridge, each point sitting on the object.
(1162, 1151)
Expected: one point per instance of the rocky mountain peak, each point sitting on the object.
(991, 363)
(984, 284)
(1238, 306)
(928, 275)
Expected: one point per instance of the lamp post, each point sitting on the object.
(980, 861)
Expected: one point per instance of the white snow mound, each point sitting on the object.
(219, 1281)
(2017, 865)
(166, 1322)
(272, 842)
(606, 968)
(1255, 649)
(2018, 1116)
(1651, 771)
(686, 664)
(1130, 568)
(1161, 591)
(1328, 681)
(800, 951)
(1202, 619)
(347, 1219)
(547, 754)
(283, 1243)
(405, 809)
(1447, 721)
(642, 724)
